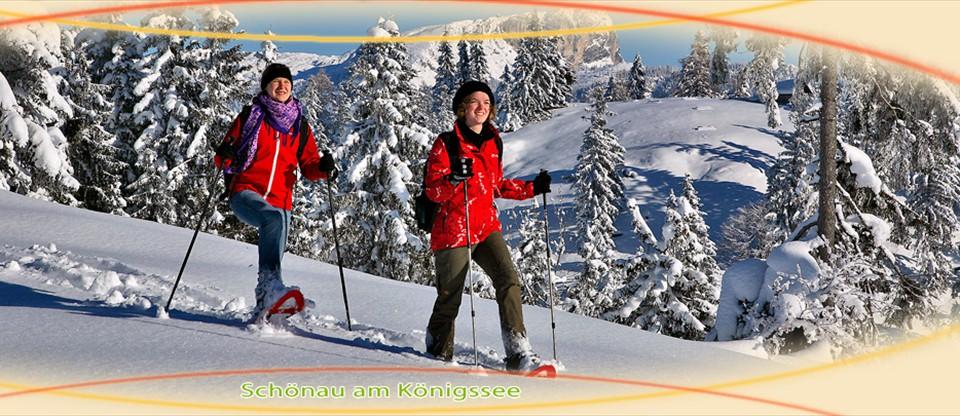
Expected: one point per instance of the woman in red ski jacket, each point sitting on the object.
(478, 165)
(261, 154)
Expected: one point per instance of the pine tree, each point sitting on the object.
(617, 89)
(444, 87)
(478, 62)
(27, 56)
(724, 41)
(92, 151)
(695, 80)
(384, 151)
(530, 257)
(13, 131)
(464, 65)
(638, 80)
(761, 73)
(507, 118)
(599, 192)
(267, 54)
(542, 79)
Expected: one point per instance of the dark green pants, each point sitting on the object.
(493, 256)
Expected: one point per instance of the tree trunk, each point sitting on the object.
(827, 222)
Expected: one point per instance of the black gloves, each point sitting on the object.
(226, 151)
(541, 184)
(461, 170)
(327, 164)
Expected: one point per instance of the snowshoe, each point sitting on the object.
(529, 364)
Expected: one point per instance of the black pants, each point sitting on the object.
(493, 256)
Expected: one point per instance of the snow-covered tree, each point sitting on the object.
(724, 42)
(507, 119)
(36, 151)
(384, 151)
(92, 152)
(542, 79)
(599, 191)
(695, 80)
(616, 89)
(267, 54)
(791, 184)
(319, 101)
(662, 294)
(761, 72)
(464, 65)
(530, 257)
(478, 62)
(14, 172)
(444, 87)
(638, 80)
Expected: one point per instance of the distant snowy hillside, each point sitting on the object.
(79, 290)
(723, 144)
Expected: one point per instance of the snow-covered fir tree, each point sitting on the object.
(530, 257)
(617, 89)
(464, 64)
(36, 108)
(319, 100)
(761, 72)
(267, 54)
(542, 79)
(13, 132)
(661, 293)
(478, 62)
(791, 184)
(507, 119)
(695, 79)
(92, 152)
(384, 152)
(599, 191)
(444, 87)
(724, 42)
(638, 80)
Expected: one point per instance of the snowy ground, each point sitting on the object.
(79, 292)
(724, 145)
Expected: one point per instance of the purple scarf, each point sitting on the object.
(283, 117)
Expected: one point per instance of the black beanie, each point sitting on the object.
(272, 72)
(471, 87)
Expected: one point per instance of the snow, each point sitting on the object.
(7, 100)
(741, 283)
(793, 258)
(105, 278)
(879, 227)
(862, 167)
(728, 164)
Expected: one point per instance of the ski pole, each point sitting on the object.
(473, 311)
(196, 231)
(546, 228)
(336, 243)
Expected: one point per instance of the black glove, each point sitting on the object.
(327, 164)
(461, 170)
(226, 151)
(541, 184)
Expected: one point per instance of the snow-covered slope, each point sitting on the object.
(80, 289)
(723, 144)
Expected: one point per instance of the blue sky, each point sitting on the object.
(663, 45)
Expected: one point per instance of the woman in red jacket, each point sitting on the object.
(483, 172)
(262, 153)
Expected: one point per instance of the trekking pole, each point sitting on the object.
(546, 228)
(196, 231)
(473, 311)
(336, 243)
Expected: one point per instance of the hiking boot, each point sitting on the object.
(434, 348)
(522, 362)
(269, 289)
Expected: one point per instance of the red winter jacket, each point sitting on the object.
(273, 171)
(487, 183)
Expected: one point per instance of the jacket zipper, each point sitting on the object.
(273, 170)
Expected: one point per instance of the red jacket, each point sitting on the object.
(272, 173)
(487, 183)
